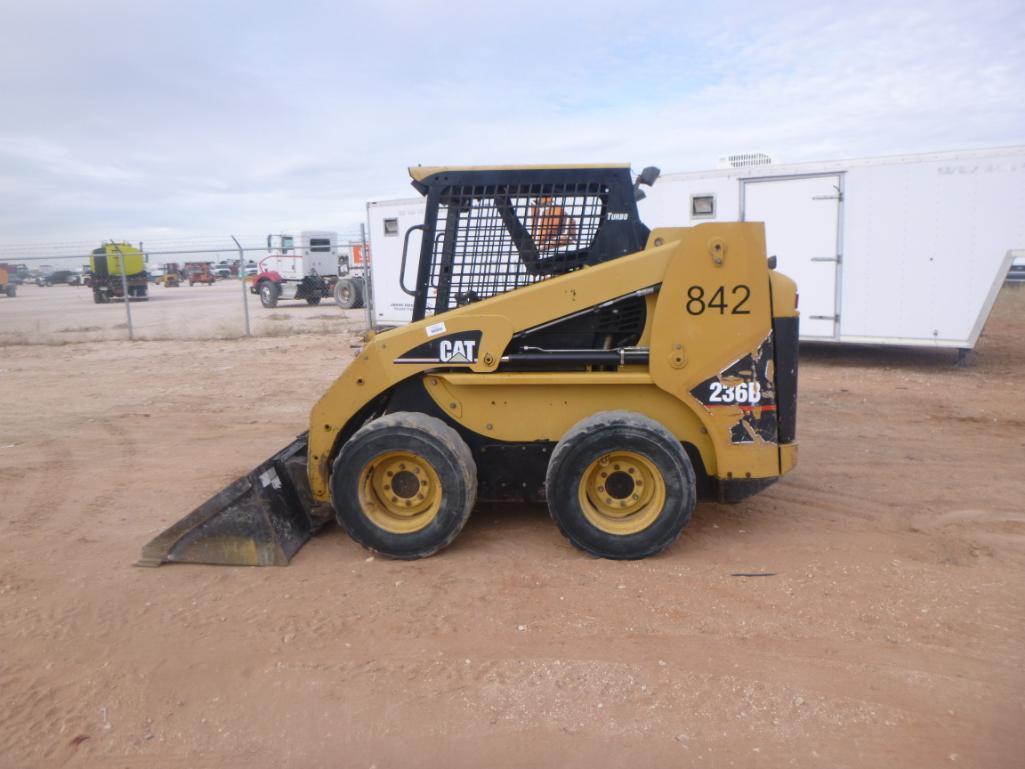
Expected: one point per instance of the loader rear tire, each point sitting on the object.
(404, 485)
(620, 485)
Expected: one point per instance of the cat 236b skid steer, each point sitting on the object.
(559, 351)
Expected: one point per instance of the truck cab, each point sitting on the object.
(302, 267)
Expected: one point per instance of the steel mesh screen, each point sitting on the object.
(492, 239)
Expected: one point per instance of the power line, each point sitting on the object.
(351, 232)
(173, 252)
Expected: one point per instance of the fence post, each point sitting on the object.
(124, 289)
(242, 276)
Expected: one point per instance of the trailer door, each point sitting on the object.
(802, 218)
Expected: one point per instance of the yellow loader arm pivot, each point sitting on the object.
(560, 352)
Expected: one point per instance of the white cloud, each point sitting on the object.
(172, 119)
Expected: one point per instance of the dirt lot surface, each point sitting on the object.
(891, 634)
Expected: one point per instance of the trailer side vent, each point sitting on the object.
(746, 159)
(391, 226)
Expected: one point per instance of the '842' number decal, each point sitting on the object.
(697, 303)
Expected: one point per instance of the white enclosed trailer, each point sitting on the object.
(908, 250)
(388, 221)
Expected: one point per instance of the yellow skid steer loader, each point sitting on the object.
(560, 352)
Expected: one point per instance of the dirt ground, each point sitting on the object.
(891, 634)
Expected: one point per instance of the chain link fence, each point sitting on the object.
(202, 291)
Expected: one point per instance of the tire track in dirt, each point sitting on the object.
(48, 489)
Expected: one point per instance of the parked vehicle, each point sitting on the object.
(172, 277)
(106, 266)
(303, 270)
(167, 279)
(199, 272)
(559, 350)
(1016, 274)
(7, 287)
(17, 274)
(59, 277)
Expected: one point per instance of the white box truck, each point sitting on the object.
(907, 250)
(303, 267)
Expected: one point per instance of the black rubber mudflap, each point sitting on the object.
(261, 519)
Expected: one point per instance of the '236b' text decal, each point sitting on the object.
(745, 392)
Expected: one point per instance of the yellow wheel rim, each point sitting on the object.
(400, 492)
(622, 492)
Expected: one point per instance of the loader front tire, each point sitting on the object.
(620, 485)
(404, 485)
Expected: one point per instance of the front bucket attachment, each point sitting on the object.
(261, 519)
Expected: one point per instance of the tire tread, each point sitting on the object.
(591, 424)
(450, 440)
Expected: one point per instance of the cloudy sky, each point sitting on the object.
(177, 122)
